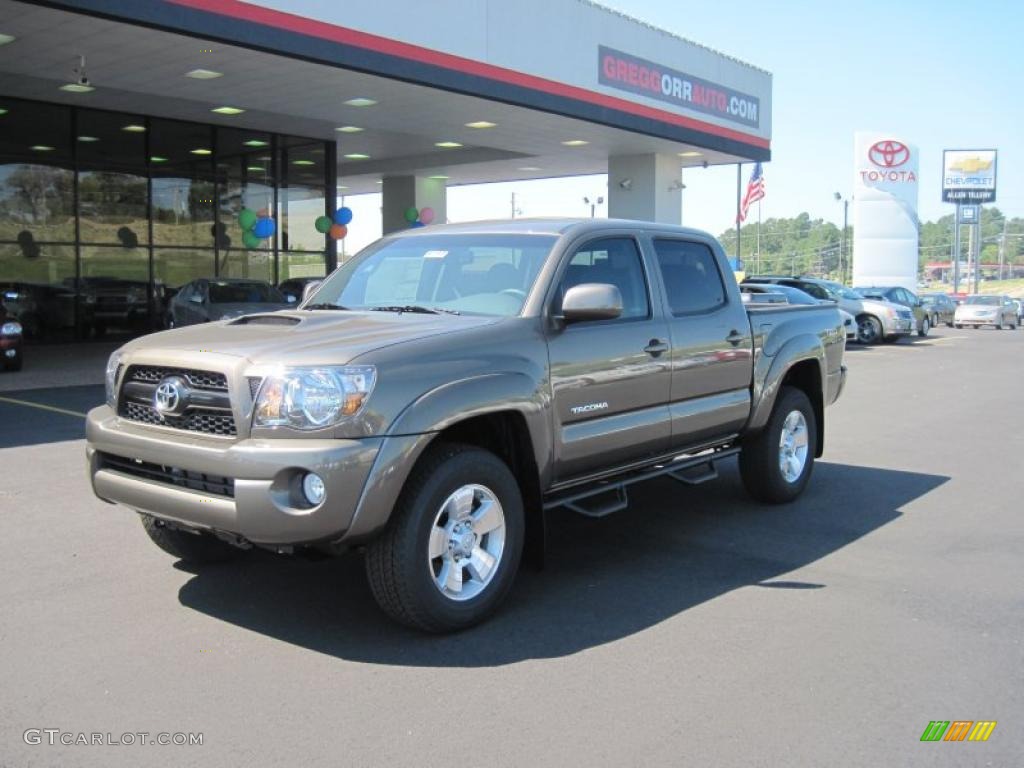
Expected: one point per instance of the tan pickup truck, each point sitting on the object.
(440, 391)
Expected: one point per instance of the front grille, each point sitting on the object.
(209, 409)
(161, 473)
(198, 379)
(208, 422)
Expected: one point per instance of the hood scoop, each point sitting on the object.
(266, 320)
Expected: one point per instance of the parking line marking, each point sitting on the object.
(41, 406)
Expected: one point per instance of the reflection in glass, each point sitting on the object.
(113, 208)
(39, 291)
(36, 204)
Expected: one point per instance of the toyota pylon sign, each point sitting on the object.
(885, 236)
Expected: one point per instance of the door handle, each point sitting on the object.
(656, 346)
(734, 337)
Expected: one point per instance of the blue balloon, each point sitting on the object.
(416, 224)
(343, 216)
(264, 227)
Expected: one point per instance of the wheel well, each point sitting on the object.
(806, 376)
(506, 435)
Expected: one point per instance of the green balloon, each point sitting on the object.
(247, 218)
(250, 240)
(323, 223)
(411, 214)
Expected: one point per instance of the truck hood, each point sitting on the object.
(301, 337)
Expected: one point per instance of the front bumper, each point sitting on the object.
(899, 326)
(266, 507)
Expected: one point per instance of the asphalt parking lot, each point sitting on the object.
(696, 628)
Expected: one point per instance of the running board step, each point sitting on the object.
(689, 470)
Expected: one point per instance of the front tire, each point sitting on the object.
(451, 550)
(925, 327)
(776, 464)
(869, 329)
(196, 548)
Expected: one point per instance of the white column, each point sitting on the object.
(403, 192)
(645, 188)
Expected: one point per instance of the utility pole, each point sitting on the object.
(1002, 249)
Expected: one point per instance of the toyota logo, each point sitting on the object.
(888, 153)
(171, 396)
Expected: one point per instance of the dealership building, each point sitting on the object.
(133, 133)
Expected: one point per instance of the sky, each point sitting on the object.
(940, 74)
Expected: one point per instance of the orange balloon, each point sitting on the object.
(263, 213)
(338, 231)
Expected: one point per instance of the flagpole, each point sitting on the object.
(759, 237)
(739, 187)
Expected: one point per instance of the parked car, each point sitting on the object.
(899, 295)
(11, 354)
(796, 296)
(1019, 304)
(293, 287)
(940, 306)
(444, 387)
(43, 310)
(209, 299)
(977, 311)
(876, 320)
(115, 302)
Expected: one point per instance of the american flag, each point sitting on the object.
(755, 191)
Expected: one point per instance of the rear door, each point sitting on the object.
(609, 378)
(712, 359)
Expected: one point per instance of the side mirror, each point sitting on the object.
(591, 301)
(195, 298)
(310, 288)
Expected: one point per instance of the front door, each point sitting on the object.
(609, 378)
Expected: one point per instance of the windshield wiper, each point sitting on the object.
(325, 305)
(415, 308)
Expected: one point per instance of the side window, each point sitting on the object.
(614, 260)
(186, 291)
(691, 276)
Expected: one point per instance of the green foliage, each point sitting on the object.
(801, 245)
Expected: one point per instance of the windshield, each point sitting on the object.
(836, 292)
(993, 301)
(486, 274)
(243, 293)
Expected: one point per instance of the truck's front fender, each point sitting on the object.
(433, 412)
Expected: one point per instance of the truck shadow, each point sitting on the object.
(604, 580)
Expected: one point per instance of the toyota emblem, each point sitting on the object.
(889, 153)
(171, 396)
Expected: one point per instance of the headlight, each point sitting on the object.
(113, 366)
(10, 329)
(310, 398)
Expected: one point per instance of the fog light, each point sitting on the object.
(313, 488)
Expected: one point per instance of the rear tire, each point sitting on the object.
(764, 454)
(415, 569)
(197, 548)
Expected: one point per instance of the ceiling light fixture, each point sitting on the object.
(447, 144)
(77, 88)
(3, 111)
(201, 151)
(255, 168)
(204, 74)
(439, 177)
(133, 128)
(575, 143)
(157, 159)
(480, 124)
(690, 153)
(348, 129)
(88, 138)
(5, 39)
(356, 156)
(530, 168)
(361, 101)
(303, 162)
(255, 143)
(41, 148)
(227, 110)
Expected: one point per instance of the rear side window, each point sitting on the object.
(812, 289)
(614, 260)
(690, 272)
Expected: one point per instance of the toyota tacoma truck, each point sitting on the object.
(444, 389)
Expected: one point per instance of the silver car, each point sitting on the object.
(977, 311)
(221, 299)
